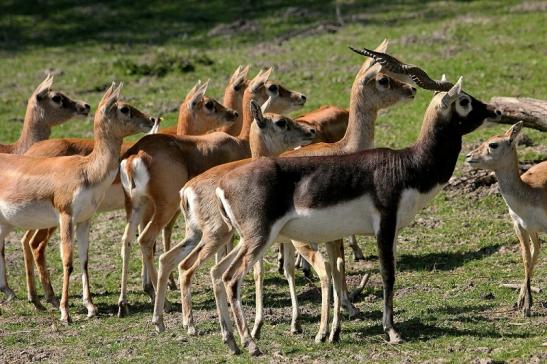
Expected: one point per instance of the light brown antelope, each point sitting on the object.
(201, 109)
(373, 192)
(330, 123)
(156, 168)
(45, 108)
(37, 193)
(526, 197)
(271, 134)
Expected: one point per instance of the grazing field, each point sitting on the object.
(449, 305)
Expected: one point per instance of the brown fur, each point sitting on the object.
(45, 108)
(330, 123)
(57, 182)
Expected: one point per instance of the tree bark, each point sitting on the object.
(532, 111)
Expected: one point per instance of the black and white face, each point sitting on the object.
(469, 113)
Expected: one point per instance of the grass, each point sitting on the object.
(448, 304)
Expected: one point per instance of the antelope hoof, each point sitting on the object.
(53, 301)
(321, 337)
(231, 343)
(394, 337)
(335, 335)
(123, 309)
(524, 302)
(65, 318)
(37, 304)
(192, 330)
(255, 334)
(172, 285)
(158, 323)
(296, 328)
(91, 310)
(148, 288)
(10, 295)
(253, 349)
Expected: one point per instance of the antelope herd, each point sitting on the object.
(243, 168)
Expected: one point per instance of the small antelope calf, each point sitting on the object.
(373, 192)
(526, 197)
(39, 193)
(45, 108)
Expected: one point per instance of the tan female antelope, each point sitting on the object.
(37, 193)
(271, 134)
(155, 169)
(302, 199)
(45, 108)
(526, 197)
(203, 110)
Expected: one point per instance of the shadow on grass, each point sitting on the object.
(28, 23)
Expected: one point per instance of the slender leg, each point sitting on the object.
(305, 265)
(38, 243)
(66, 232)
(324, 271)
(82, 237)
(258, 275)
(386, 240)
(524, 302)
(4, 230)
(338, 253)
(280, 259)
(166, 233)
(336, 261)
(357, 252)
(288, 270)
(129, 235)
(221, 300)
(168, 261)
(535, 251)
(29, 271)
(248, 253)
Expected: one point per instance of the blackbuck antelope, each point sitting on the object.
(206, 232)
(373, 192)
(203, 110)
(526, 197)
(45, 108)
(155, 169)
(38, 193)
(208, 229)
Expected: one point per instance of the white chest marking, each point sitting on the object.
(86, 200)
(358, 216)
(532, 218)
(411, 202)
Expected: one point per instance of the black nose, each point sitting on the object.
(498, 113)
(87, 107)
(236, 114)
(152, 119)
(303, 97)
(310, 133)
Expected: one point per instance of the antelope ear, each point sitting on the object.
(443, 78)
(235, 75)
(371, 73)
(266, 105)
(44, 87)
(256, 112)
(112, 98)
(452, 94)
(245, 70)
(194, 100)
(514, 131)
(107, 93)
(259, 79)
(382, 47)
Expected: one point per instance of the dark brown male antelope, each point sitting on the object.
(374, 192)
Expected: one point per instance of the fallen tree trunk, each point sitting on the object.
(532, 111)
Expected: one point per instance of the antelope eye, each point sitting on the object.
(281, 123)
(209, 105)
(464, 102)
(383, 81)
(493, 145)
(272, 88)
(56, 99)
(124, 110)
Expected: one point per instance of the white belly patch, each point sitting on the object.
(358, 216)
(411, 202)
(30, 215)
